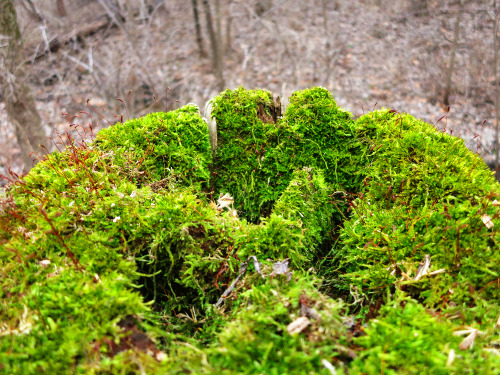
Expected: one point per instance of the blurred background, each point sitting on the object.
(96, 62)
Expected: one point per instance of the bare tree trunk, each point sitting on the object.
(199, 39)
(216, 48)
(449, 73)
(19, 101)
(61, 8)
(496, 47)
(229, 19)
(220, 48)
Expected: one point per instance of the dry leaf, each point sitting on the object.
(329, 366)
(451, 358)
(298, 325)
(44, 263)
(487, 221)
(423, 268)
(436, 272)
(160, 356)
(468, 341)
(224, 201)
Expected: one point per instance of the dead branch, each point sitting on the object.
(58, 42)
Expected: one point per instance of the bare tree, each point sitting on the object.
(496, 48)
(449, 72)
(215, 41)
(199, 39)
(229, 19)
(19, 102)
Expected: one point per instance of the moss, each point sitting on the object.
(425, 194)
(404, 326)
(159, 146)
(114, 252)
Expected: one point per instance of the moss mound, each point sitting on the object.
(307, 242)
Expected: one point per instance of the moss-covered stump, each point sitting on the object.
(304, 243)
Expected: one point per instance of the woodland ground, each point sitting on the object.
(369, 54)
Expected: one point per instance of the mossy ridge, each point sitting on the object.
(79, 219)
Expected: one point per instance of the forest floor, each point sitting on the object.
(369, 54)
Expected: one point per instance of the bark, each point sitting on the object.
(216, 49)
(199, 39)
(19, 102)
(220, 63)
(61, 8)
(449, 73)
(229, 19)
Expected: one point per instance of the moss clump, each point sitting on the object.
(425, 194)
(114, 254)
(160, 146)
(256, 154)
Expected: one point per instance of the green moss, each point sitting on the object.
(159, 146)
(426, 194)
(405, 327)
(118, 239)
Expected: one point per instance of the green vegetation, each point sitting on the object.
(305, 243)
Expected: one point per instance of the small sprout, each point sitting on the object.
(298, 325)
(487, 221)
